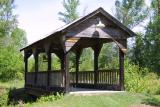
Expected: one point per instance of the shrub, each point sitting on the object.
(152, 100)
(140, 80)
(50, 98)
(11, 64)
(3, 100)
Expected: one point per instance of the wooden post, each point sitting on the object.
(47, 50)
(121, 70)
(66, 70)
(97, 49)
(49, 68)
(78, 54)
(26, 67)
(95, 66)
(62, 63)
(35, 53)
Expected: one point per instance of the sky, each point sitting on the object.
(40, 17)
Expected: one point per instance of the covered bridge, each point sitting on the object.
(92, 30)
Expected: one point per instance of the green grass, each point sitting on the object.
(12, 84)
(107, 100)
(110, 100)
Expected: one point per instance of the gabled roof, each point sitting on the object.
(82, 19)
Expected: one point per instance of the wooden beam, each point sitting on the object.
(48, 52)
(35, 54)
(26, 66)
(121, 70)
(78, 54)
(66, 71)
(49, 68)
(97, 49)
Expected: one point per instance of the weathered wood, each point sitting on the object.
(56, 78)
(105, 77)
(30, 78)
(121, 69)
(78, 54)
(49, 67)
(35, 54)
(66, 70)
(26, 65)
(75, 36)
(97, 49)
(48, 52)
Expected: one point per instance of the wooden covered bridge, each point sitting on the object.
(92, 30)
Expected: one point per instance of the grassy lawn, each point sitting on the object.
(108, 100)
(111, 100)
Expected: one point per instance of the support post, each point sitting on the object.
(121, 70)
(49, 68)
(26, 67)
(35, 53)
(97, 49)
(48, 52)
(66, 70)
(78, 54)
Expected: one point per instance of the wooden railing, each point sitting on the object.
(103, 77)
(55, 78)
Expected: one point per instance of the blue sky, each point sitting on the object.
(40, 17)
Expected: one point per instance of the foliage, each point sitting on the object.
(19, 39)
(70, 13)
(86, 60)
(108, 58)
(50, 98)
(11, 40)
(11, 64)
(139, 80)
(7, 19)
(3, 100)
(152, 44)
(152, 100)
(131, 12)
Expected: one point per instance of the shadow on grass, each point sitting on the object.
(16, 96)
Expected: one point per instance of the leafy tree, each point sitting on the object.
(11, 64)
(108, 58)
(11, 40)
(18, 37)
(138, 53)
(146, 49)
(131, 12)
(70, 13)
(152, 44)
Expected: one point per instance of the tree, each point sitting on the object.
(131, 12)
(152, 44)
(70, 13)
(18, 38)
(11, 40)
(146, 49)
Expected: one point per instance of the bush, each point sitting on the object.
(11, 64)
(152, 100)
(3, 100)
(50, 98)
(140, 80)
